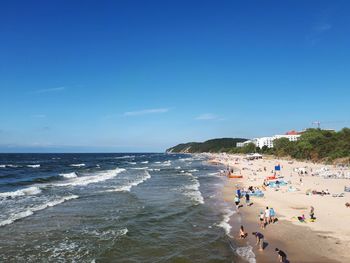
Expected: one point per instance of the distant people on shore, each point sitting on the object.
(312, 213)
(301, 218)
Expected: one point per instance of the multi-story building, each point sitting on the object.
(268, 141)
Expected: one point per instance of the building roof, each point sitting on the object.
(292, 132)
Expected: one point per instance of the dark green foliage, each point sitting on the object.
(215, 145)
(316, 145)
(313, 144)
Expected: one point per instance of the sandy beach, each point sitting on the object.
(324, 240)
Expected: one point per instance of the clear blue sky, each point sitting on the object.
(145, 75)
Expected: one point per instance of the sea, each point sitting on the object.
(93, 208)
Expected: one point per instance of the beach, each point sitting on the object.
(324, 240)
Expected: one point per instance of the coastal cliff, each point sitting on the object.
(214, 145)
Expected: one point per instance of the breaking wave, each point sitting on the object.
(30, 211)
(100, 177)
(33, 190)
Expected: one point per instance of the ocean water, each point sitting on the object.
(114, 208)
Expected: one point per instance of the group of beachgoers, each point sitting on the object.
(265, 218)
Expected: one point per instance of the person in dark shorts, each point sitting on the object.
(259, 240)
(247, 198)
(281, 255)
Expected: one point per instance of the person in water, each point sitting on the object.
(281, 255)
(259, 240)
(242, 234)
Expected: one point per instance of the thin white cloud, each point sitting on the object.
(317, 32)
(50, 90)
(207, 116)
(146, 111)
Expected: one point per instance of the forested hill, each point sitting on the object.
(214, 145)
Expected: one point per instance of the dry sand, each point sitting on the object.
(325, 240)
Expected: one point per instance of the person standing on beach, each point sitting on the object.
(247, 198)
(272, 215)
(261, 219)
(238, 193)
(267, 215)
(312, 213)
(259, 240)
(237, 201)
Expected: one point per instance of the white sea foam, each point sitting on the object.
(33, 190)
(16, 216)
(33, 165)
(129, 185)
(132, 163)
(225, 221)
(109, 234)
(177, 167)
(145, 162)
(154, 169)
(193, 170)
(9, 165)
(157, 162)
(78, 164)
(69, 175)
(2, 165)
(140, 168)
(193, 191)
(246, 253)
(125, 157)
(186, 159)
(99, 177)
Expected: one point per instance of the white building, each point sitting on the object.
(268, 141)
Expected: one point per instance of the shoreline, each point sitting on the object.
(325, 240)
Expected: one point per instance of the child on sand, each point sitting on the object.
(259, 240)
(242, 234)
(262, 220)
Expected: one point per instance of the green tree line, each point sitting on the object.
(313, 144)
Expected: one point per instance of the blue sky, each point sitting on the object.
(120, 76)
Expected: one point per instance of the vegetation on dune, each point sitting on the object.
(313, 144)
(215, 145)
(316, 145)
